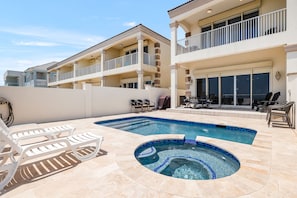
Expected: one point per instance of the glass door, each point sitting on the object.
(213, 90)
(243, 90)
(260, 86)
(201, 88)
(227, 90)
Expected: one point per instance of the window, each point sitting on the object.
(227, 83)
(243, 90)
(213, 90)
(201, 88)
(260, 85)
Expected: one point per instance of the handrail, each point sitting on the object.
(88, 70)
(266, 24)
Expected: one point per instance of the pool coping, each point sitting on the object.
(252, 175)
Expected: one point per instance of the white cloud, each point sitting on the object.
(59, 37)
(36, 43)
(130, 24)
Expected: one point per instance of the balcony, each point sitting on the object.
(88, 70)
(270, 23)
(65, 76)
(127, 60)
(36, 83)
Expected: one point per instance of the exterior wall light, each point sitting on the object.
(277, 75)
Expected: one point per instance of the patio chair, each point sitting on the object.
(264, 104)
(48, 132)
(280, 112)
(150, 105)
(12, 154)
(261, 102)
(135, 105)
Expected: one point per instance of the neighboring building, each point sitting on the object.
(234, 51)
(37, 76)
(14, 78)
(130, 59)
(32, 77)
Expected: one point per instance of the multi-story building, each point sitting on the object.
(32, 77)
(234, 51)
(130, 59)
(13, 78)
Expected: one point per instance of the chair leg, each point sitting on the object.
(7, 172)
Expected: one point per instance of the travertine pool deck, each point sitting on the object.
(268, 166)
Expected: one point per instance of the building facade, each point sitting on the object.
(234, 52)
(131, 59)
(32, 77)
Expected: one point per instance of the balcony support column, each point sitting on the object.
(140, 79)
(173, 29)
(75, 66)
(140, 50)
(58, 75)
(173, 90)
(291, 76)
(102, 80)
(102, 59)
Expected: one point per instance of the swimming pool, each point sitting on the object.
(186, 159)
(145, 125)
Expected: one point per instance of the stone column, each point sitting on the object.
(102, 59)
(140, 50)
(102, 80)
(173, 90)
(173, 29)
(291, 92)
(102, 67)
(140, 79)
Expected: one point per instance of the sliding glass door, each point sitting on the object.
(234, 90)
(213, 90)
(243, 90)
(227, 90)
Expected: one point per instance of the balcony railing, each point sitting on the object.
(127, 60)
(67, 75)
(149, 59)
(36, 83)
(263, 25)
(88, 70)
(121, 61)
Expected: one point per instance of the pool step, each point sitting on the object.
(135, 126)
(127, 123)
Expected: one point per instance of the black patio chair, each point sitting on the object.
(263, 106)
(135, 105)
(261, 102)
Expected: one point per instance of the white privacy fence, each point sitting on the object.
(37, 105)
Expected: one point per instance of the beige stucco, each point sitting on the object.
(117, 60)
(65, 104)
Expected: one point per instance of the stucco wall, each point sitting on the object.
(37, 105)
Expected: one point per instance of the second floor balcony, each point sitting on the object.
(127, 60)
(130, 59)
(263, 25)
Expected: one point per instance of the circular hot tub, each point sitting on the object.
(186, 159)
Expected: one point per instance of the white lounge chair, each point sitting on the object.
(12, 154)
(48, 132)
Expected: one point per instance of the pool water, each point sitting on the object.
(186, 159)
(150, 126)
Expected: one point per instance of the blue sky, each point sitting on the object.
(34, 32)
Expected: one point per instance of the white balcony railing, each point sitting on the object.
(127, 60)
(67, 75)
(149, 59)
(88, 70)
(121, 61)
(263, 25)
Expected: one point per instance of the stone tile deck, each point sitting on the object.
(268, 166)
